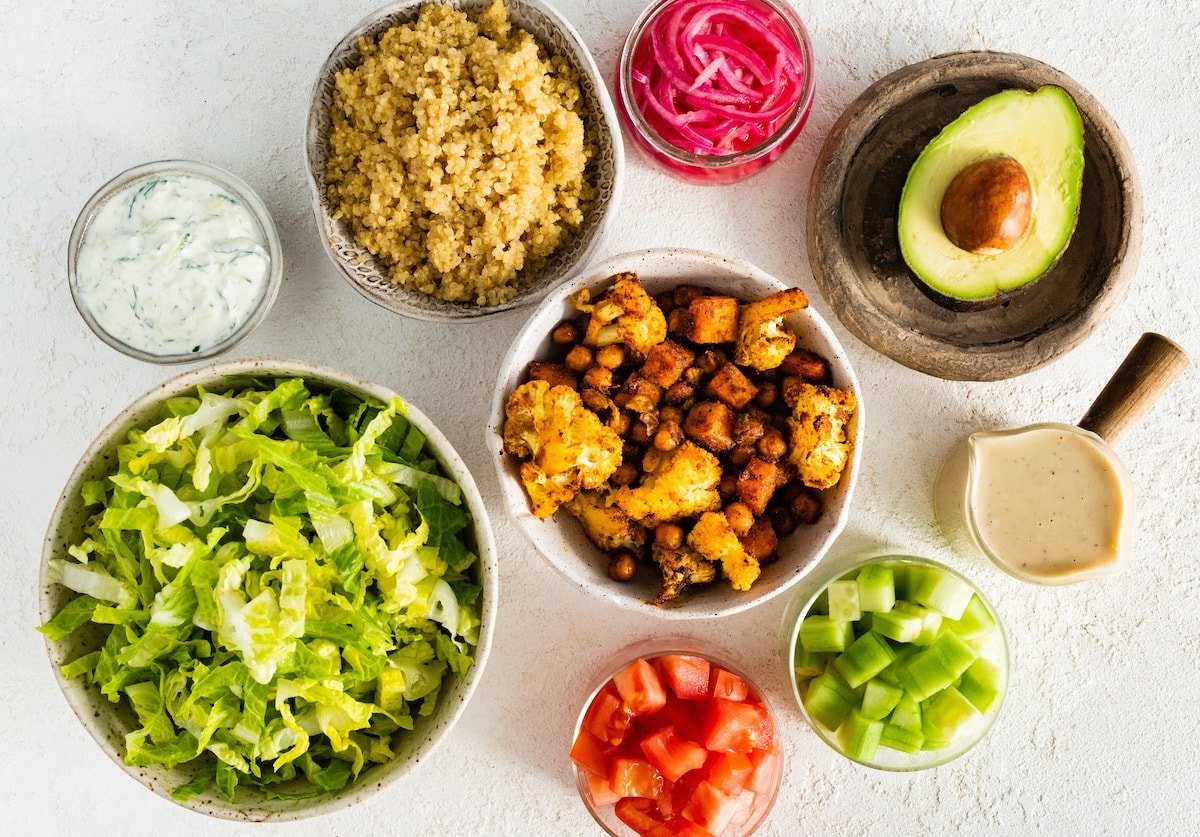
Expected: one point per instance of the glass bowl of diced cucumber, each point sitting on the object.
(899, 663)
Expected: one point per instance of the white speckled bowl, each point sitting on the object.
(605, 171)
(562, 541)
(108, 723)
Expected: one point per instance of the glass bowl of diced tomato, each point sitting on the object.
(675, 740)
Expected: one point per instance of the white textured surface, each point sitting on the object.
(1100, 730)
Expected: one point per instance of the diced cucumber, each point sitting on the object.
(975, 622)
(945, 593)
(906, 577)
(880, 699)
(810, 663)
(907, 713)
(859, 736)
(902, 652)
(929, 671)
(902, 623)
(931, 626)
(944, 714)
(866, 657)
(829, 700)
(821, 634)
(902, 739)
(843, 601)
(876, 588)
(982, 683)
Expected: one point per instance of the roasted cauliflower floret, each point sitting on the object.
(713, 538)
(681, 568)
(683, 485)
(566, 447)
(626, 314)
(820, 433)
(763, 341)
(604, 523)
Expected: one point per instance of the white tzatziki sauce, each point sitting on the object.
(172, 264)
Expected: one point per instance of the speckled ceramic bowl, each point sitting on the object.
(108, 723)
(366, 273)
(562, 541)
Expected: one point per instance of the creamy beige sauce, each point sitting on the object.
(1047, 502)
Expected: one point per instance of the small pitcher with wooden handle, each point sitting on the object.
(1052, 503)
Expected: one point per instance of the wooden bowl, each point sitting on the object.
(855, 252)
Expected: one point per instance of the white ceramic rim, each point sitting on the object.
(513, 493)
(77, 698)
(469, 311)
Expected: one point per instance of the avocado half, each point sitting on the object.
(1043, 131)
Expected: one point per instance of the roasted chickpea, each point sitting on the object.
(668, 536)
(579, 359)
(564, 334)
(595, 400)
(639, 432)
(597, 377)
(679, 392)
(625, 474)
(685, 295)
(669, 436)
(622, 398)
(622, 566)
(782, 520)
(674, 414)
(651, 460)
(767, 395)
(807, 507)
(692, 375)
(772, 446)
(611, 356)
(728, 486)
(741, 454)
(740, 518)
(665, 301)
(710, 361)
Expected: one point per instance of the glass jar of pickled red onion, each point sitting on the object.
(715, 90)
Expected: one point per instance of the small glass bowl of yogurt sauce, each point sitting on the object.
(174, 261)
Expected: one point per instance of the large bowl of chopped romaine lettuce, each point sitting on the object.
(268, 588)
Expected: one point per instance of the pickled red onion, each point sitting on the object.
(717, 76)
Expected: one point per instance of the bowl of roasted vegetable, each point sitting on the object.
(677, 433)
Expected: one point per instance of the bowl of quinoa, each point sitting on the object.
(464, 158)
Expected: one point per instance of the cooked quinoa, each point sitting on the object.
(457, 153)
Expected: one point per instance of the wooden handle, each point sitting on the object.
(1145, 374)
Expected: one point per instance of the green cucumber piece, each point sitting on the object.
(928, 672)
(843, 601)
(829, 700)
(823, 633)
(982, 684)
(866, 657)
(901, 738)
(902, 623)
(810, 663)
(944, 714)
(907, 713)
(931, 627)
(907, 576)
(876, 588)
(975, 623)
(902, 652)
(880, 699)
(859, 736)
(947, 594)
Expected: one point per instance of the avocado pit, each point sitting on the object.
(988, 206)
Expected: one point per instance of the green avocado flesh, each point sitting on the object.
(1044, 133)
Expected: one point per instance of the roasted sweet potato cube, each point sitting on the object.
(642, 395)
(750, 426)
(710, 425)
(714, 319)
(761, 542)
(757, 483)
(806, 365)
(666, 362)
(555, 374)
(731, 386)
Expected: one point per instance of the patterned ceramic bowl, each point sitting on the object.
(368, 274)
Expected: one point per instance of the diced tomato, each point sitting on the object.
(640, 688)
(731, 725)
(600, 791)
(687, 676)
(764, 736)
(711, 808)
(678, 827)
(766, 771)
(590, 753)
(607, 718)
(639, 814)
(730, 771)
(681, 791)
(672, 754)
(743, 808)
(634, 777)
(685, 716)
(728, 686)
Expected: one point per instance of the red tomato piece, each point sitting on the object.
(590, 753)
(678, 827)
(728, 686)
(601, 791)
(607, 718)
(730, 771)
(764, 736)
(634, 777)
(640, 688)
(685, 716)
(711, 808)
(687, 676)
(731, 725)
(766, 770)
(672, 754)
(681, 791)
(639, 814)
